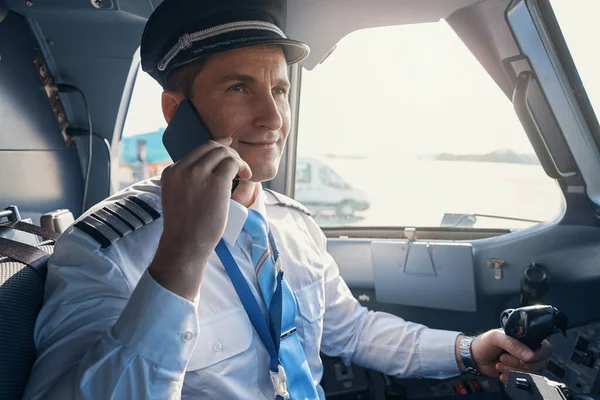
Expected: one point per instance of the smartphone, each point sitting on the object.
(185, 132)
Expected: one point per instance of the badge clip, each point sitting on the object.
(279, 381)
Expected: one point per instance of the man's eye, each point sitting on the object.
(237, 88)
(280, 90)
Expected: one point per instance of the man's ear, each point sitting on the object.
(170, 100)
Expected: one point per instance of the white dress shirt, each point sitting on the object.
(107, 330)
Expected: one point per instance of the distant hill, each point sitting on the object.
(345, 156)
(156, 152)
(500, 156)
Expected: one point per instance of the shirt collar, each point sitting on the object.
(238, 214)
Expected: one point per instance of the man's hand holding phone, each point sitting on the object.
(196, 192)
(195, 198)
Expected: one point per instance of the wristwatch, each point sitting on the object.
(466, 355)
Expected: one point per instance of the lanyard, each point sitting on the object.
(270, 334)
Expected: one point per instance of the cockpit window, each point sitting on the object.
(141, 152)
(422, 135)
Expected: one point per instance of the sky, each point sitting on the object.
(412, 90)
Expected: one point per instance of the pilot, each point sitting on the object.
(175, 287)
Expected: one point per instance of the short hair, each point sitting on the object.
(183, 77)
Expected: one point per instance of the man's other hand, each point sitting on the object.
(495, 353)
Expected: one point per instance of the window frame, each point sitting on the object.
(121, 120)
(285, 180)
(549, 71)
(569, 67)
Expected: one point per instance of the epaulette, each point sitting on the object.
(284, 201)
(113, 221)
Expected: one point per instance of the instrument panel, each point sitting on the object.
(575, 359)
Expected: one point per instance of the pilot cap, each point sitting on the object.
(181, 31)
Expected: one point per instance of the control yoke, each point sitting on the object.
(532, 324)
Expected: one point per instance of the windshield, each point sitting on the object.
(422, 135)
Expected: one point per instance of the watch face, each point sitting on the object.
(465, 343)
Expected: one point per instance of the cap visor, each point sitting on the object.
(293, 50)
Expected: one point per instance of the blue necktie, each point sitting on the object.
(282, 309)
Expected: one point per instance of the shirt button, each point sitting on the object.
(187, 336)
(217, 347)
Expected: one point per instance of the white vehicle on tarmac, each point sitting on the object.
(321, 189)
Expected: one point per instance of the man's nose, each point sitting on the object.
(268, 113)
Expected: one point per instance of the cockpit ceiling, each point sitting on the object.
(319, 23)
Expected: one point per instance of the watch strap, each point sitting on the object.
(467, 356)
